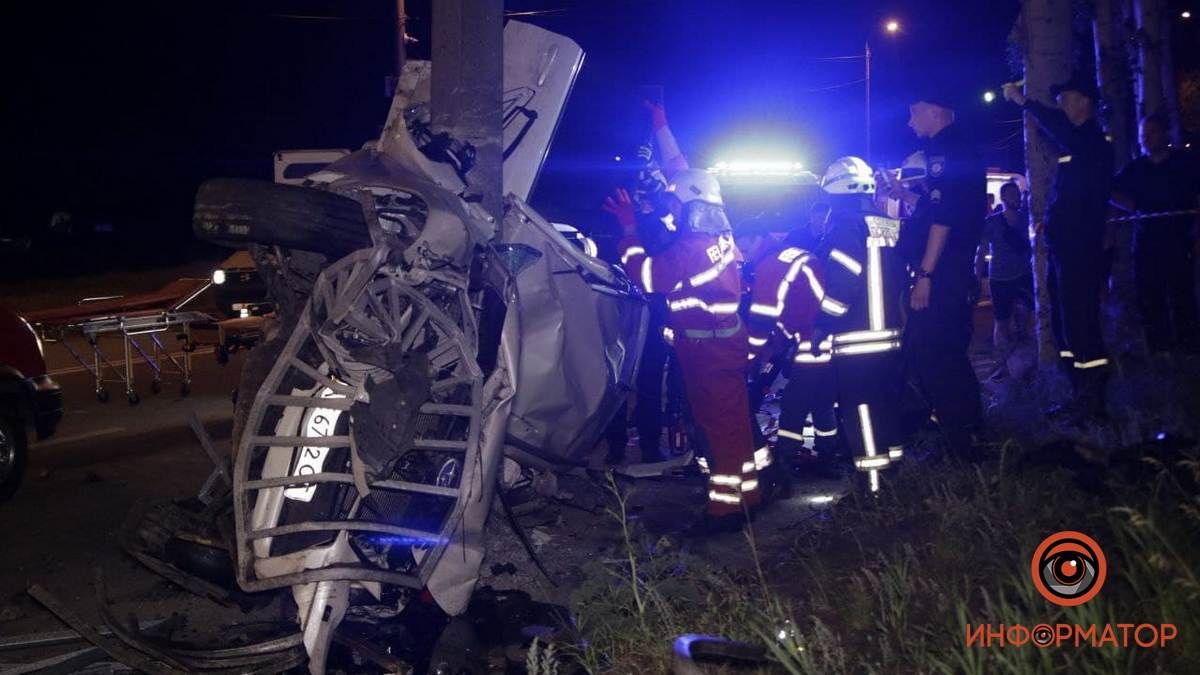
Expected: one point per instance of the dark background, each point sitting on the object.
(116, 111)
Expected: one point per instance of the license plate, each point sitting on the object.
(317, 423)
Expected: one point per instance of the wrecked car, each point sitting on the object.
(427, 354)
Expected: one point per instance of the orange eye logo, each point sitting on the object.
(1068, 568)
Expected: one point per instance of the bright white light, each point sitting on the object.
(1185, 14)
(892, 26)
(616, 158)
(820, 499)
(756, 167)
(219, 277)
(989, 96)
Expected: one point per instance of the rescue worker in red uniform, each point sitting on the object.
(700, 277)
(785, 302)
(858, 328)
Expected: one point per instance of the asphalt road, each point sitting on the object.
(81, 484)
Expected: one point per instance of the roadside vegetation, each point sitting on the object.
(891, 584)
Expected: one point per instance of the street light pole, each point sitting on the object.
(867, 58)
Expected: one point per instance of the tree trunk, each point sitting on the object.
(1111, 35)
(1045, 34)
(1112, 63)
(1148, 15)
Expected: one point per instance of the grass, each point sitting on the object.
(890, 584)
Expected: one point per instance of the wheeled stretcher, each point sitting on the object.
(139, 320)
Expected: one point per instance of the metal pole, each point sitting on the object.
(868, 106)
(468, 86)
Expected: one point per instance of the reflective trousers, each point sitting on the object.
(1075, 282)
(868, 387)
(811, 390)
(714, 377)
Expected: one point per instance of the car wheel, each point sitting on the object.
(12, 457)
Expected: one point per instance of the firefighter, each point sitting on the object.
(785, 301)
(700, 277)
(1075, 232)
(946, 223)
(857, 328)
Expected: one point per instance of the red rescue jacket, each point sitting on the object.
(786, 297)
(699, 275)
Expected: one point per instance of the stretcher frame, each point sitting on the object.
(130, 327)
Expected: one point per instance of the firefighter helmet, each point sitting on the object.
(691, 185)
(849, 176)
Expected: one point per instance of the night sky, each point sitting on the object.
(118, 110)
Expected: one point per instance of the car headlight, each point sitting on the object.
(218, 277)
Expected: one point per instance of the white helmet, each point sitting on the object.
(692, 185)
(913, 168)
(849, 176)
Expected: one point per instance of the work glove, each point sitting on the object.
(622, 208)
(658, 115)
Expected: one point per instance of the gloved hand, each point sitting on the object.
(645, 153)
(658, 116)
(622, 208)
(819, 336)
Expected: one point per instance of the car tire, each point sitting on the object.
(241, 211)
(13, 456)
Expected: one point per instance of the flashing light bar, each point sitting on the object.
(757, 168)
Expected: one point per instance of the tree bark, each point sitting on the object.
(1045, 35)
(1151, 29)
(1111, 34)
(1112, 63)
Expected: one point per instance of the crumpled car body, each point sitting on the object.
(419, 365)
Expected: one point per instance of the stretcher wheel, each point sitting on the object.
(156, 386)
(102, 395)
(185, 388)
(133, 397)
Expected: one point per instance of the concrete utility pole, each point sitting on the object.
(468, 87)
(1046, 29)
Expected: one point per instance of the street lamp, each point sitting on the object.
(892, 26)
(989, 96)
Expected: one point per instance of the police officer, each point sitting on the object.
(1075, 231)
(858, 328)
(945, 230)
(703, 287)
(1163, 179)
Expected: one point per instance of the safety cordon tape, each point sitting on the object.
(1149, 216)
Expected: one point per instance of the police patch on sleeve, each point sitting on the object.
(937, 165)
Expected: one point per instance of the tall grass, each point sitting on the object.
(890, 584)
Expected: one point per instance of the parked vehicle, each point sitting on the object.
(29, 398)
